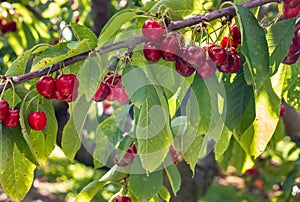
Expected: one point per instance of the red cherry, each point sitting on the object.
(173, 154)
(237, 63)
(282, 110)
(110, 97)
(128, 157)
(235, 33)
(37, 120)
(120, 95)
(151, 51)
(72, 97)
(12, 119)
(12, 26)
(227, 42)
(45, 86)
(228, 65)
(58, 95)
(183, 68)
(207, 70)
(217, 54)
(66, 83)
(4, 27)
(193, 55)
(170, 44)
(152, 30)
(111, 79)
(102, 92)
(76, 19)
(293, 53)
(4, 108)
(291, 12)
(122, 199)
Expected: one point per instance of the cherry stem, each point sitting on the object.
(5, 85)
(13, 90)
(132, 42)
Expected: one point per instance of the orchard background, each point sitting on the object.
(96, 105)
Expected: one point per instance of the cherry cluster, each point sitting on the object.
(7, 18)
(111, 89)
(8, 26)
(291, 8)
(64, 87)
(293, 53)
(188, 59)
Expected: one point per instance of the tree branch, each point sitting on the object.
(133, 42)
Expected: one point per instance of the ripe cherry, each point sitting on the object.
(174, 154)
(4, 26)
(112, 79)
(228, 65)
(152, 30)
(192, 55)
(183, 68)
(226, 42)
(12, 26)
(4, 108)
(12, 119)
(151, 51)
(66, 83)
(37, 120)
(237, 63)
(282, 110)
(102, 92)
(122, 199)
(207, 70)
(235, 33)
(72, 97)
(59, 95)
(290, 12)
(217, 54)
(45, 86)
(170, 44)
(291, 3)
(120, 95)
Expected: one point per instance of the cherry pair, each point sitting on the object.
(9, 117)
(8, 26)
(234, 40)
(291, 8)
(64, 88)
(111, 89)
(226, 60)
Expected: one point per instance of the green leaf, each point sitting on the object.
(89, 76)
(135, 82)
(89, 191)
(108, 134)
(72, 133)
(176, 7)
(279, 38)
(59, 52)
(254, 47)
(81, 33)
(114, 24)
(255, 139)
(146, 186)
(6, 148)
(223, 143)
(164, 194)
(240, 105)
(239, 158)
(114, 174)
(18, 67)
(174, 178)
(153, 131)
(17, 178)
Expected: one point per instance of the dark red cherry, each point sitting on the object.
(170, 44)
(45, 86)
(152, 30)
(4, 26)
(122, 199)
(37, 120)
(282, 110)
(173, 154)
(12, 119)
(102, 92)
(66, 83)
(291, 3)
(128, 157)
(207, 70)
(151, 51)
(237, 63)
(59, 95)
(235, 33)
(217, 54)
(12, 26)
(226, 42)
(4, 108)
(72, 97)
(228, 65)
(183, 68)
